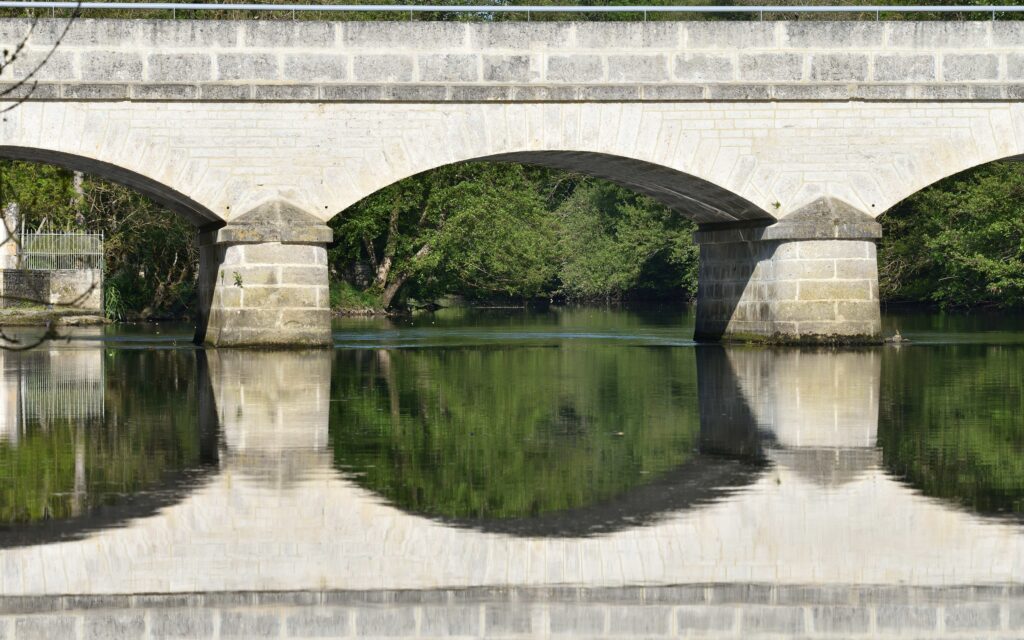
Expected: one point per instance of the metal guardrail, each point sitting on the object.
(487, 8)
(54, 251)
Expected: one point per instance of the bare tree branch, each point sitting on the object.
(9, 57)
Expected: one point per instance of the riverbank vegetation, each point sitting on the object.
(491, 233)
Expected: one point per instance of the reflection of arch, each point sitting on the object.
(173, 489)
(700, 481)
(705, 474)
(167, 197)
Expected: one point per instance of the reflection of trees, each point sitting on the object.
(951, 423)
(70, 466)
(512, 432)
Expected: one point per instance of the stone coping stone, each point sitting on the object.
(698, 594)
(505, 93)
(275, 221)
(823, 219)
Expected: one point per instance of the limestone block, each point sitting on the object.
(963, 67)
(382, 68)
(389, 35)
(111, 66)
(905, 68)
(245, 624)
(188, 33)
(291, 92)
(840, 619)
(938, 34)
(577, 68)
(904, 617)
(385, 622)
(771, 67)
(839, 67)
(637, 68)
(288, 33)
(507, 68)
(511, 35)
(587, 620)
(702, 619)
(448, 67)
(87, 32)
(835, 290)
(246, 66)
(59, 66)
(833, 35)
(743, 35)
(628, 35)
(115, 625)
(178, 67)
(972, 617)
(764, 619)
(1015, 66)
(639, 622)
(321, 622)
(166, 92)
(703, 68)
(309, 67)
(45, 626)
(181, 623)
(450, 620)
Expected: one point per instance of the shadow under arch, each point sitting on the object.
(163, 195)
(696, 198)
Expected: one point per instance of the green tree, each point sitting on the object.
(611, 238)
(150, 257)
(959, 243)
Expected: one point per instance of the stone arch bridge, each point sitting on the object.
(783, 140)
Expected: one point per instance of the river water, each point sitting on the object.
(508, 473)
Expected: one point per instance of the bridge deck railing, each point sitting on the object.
(752, 11)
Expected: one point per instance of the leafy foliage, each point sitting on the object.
(959, 243)
(614, 241)
(149, 253)
(489, 230)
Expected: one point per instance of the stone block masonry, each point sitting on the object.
(713, 610)
(811, 279)
(79, 289)
(738, 126)
(263, 281)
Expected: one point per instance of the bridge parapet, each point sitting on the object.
(373, 61)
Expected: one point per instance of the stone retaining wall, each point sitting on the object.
(521, 61)
(69, 288)
(747, 611)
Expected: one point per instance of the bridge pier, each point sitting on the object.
(263, 281)
(810, 278)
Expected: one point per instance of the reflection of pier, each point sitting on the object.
(813, 517)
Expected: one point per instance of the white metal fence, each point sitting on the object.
(52, 251)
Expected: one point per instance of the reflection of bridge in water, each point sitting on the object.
(821, 540)
(49, 383)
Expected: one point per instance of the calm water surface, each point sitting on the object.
(504, 449)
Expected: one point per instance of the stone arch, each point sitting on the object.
(160, 193)
(696, 198)
(995, 134)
